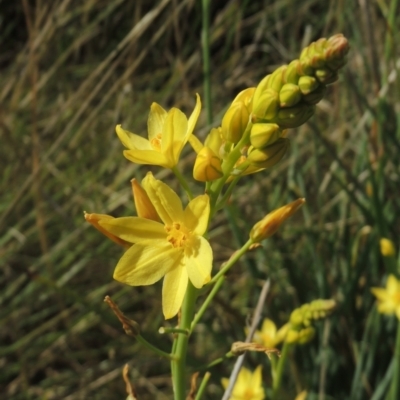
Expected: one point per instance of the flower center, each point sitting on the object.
(177, 234)
(248, 394)
(156, 142)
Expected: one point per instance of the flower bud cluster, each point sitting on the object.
(286, 98)
(301, 329)
(258, 118)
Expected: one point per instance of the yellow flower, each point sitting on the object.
(389, 298)
(270, 336)
(168, 133)
(174, 248)
(248, 385)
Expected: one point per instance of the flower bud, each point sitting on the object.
(272, 221)
(234, 122)
(267, 104)
(289, 95)
(315, 96)
(294, 116)
(387, 248)
(207, 166)
(292, 72)
(276, 80)
(144, 207)
(263, 135)
(307, 84)
(326, 75)
(246, 97)
(270, 155)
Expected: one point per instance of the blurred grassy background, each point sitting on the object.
(70, 71)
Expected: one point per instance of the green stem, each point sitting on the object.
(279, 370)
(227, 167)
(236, 256)
(183, 182)
(163, 330)
(205, 39)
(207, 302)
(219, 360)
(156, 350)
(227, 194)
(179, 363)
(202, 386)
(395, 387)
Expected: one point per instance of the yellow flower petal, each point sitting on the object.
(173, 136)
(164, 199)
(143, 205)
(196, 214)
(156, 120)
(94, 219)
(380, 293)
(193, 117)
(148, 157)
(145, 265)
(198, 261)
(392, 286)
(173, 291)
(131, 140)
(134, 229)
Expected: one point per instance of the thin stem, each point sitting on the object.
(217, 361)
(164, 330)
(183, 182)
(179, 364)
(202, 386)
(236, 256)
(156, 350)
(227, 194)
(207, 302)
(205, 39)
(279, 370)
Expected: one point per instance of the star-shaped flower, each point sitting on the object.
(174, 249)
(248, 385)
(389, 298)
(168, 134)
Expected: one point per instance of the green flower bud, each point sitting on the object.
(234, 122)
(294, 116)
(289, 95)
(260, 89)
(263, 135)
(292, 72)
(315, 96)
(306, 335)
(270, 155)
(325, 75)
(277, 78)
(266, 106)
(307, 84)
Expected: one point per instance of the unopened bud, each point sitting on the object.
(276, 80)
(263, 135)
(387, 247)
(307, 84)
(270, 155)
(315, 96)
(272, 221)
(234, 122)
(289, 95)
(294, 116)
(292, 72)
(326, 75)
(267, 105)
(207, 166)
(144, 207)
